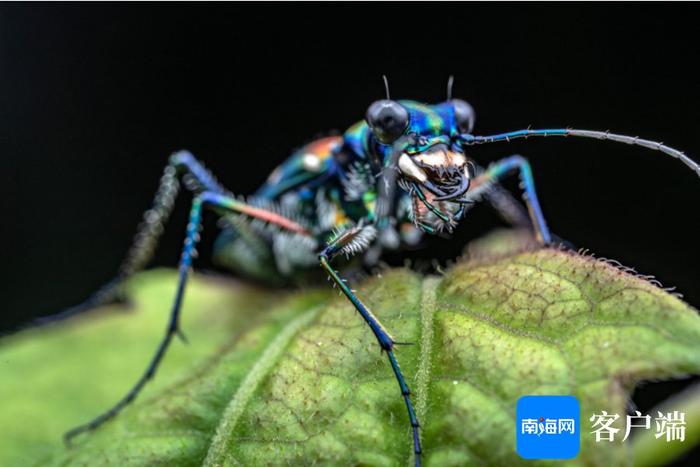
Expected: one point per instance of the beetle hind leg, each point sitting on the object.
(222, 204)
(181, 165)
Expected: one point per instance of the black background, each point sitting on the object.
(93, 98)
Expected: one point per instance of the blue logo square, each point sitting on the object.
(548, 427)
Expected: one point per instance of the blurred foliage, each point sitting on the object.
(272, 377)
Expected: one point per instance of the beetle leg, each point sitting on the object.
(353, 241)
(217, 202)
(197, 178)
(507, 206)
(500, 169)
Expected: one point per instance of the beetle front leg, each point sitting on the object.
(500, 169)
(353, 241)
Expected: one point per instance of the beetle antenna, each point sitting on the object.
(602, 135)
(386, 87)
(450, 82)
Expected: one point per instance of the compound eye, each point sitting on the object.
(464, 115)
(387, 119)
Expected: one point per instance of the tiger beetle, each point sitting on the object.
(401, 173)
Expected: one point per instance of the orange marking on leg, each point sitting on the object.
(273, 218)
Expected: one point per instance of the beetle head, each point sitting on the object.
(422, 143)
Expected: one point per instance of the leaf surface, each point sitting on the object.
(297, 378)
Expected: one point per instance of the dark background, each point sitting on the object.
(93, 98)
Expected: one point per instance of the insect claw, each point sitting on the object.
(181, 336)
(404, 343)
(68, 438)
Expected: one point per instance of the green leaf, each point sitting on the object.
(273, 377)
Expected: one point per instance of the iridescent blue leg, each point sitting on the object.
(386, 342)
(218, 202)
(197, 179)
(507, 207)
(502, 168)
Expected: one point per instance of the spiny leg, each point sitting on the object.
(499, 170)
(352, 241)
(507, 206)
(197, 179)
(218, 202)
